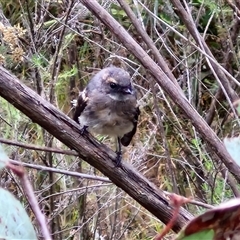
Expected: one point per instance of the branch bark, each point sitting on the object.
(89, 149)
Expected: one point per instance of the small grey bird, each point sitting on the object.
(108, 106)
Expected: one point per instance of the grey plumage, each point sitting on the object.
(108, 106)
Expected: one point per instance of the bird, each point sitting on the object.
(108, 106)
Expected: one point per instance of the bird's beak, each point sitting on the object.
(127, 90)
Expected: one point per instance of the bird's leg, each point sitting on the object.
(83, 129)
(118, 152)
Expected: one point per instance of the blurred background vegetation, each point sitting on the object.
(56, 46)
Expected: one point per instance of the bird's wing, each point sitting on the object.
(126, 139)
(81, 104)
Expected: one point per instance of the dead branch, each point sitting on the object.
(89, 149)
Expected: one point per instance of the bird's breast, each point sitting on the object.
(108, 121)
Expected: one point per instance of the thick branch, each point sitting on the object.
(93, 152)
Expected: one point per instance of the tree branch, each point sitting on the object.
(89, 149)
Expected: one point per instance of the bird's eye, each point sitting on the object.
(113, 85)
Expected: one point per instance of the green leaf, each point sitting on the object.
(233, 147)
(15, 223)
(214, 223)
(203, 235)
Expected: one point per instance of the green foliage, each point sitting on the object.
(15, 223)
(205, 234)
(67, 74)
(233, 147)
(118, 12)
(39, 61)
(217, 223)
(13, 11)
(62, 84)
(211, 6)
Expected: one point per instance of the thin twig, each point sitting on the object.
(194, 202)
(34, 147)
(177, 201)
(186, 17)
(58, 54)
(149, 42)
(29, 193)
(61, 171)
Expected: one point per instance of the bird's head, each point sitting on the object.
(117, 84)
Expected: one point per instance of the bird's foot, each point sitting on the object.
(118, 158)
(83, 130)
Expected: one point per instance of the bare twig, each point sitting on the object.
(61, 171)
(57, 59)
(194, 202)
(29, 193)
(177, 201)
(149, 42)
(218, 73)
(34, 147)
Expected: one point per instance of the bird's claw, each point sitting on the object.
(83, 130)
(118, 159)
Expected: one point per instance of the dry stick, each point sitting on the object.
(61, 171)
(228, 57)
(201, 204)
(5, 121)
(58, 54)
(188, 21)
(34, 147)
(192, 44)
(222, 80)
(177, 201)
(231, 181)
(65, 172)
(219, 95)
(163, 80)
(54, 76)
(211, 111)
(87, 176)
(160, 126)
(149, 42)
(29, 193)
(81, 189)
(224, 83)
